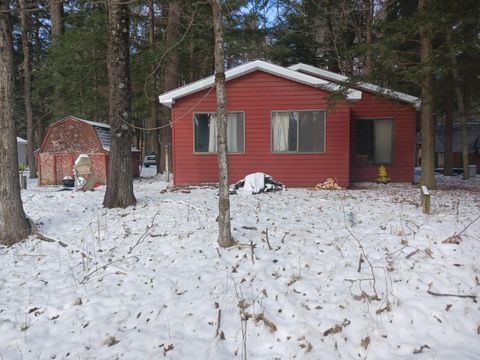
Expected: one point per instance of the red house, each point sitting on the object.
(286, 123)
(70, 137)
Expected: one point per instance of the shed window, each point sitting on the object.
(374, 140)
(298, 131)
(205, 128)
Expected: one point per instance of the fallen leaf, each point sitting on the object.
(110, 341)
(365, 342)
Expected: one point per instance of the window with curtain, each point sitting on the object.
(298, 131)
(375, 139)
(205, 132)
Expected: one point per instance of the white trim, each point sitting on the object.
(93, 123)
(21, 141)
(312, 70)
(169, 98)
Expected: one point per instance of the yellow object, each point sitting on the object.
(382, 175)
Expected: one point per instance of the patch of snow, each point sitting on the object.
(254, 183)
(150, 282)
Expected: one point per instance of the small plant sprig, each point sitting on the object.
(22, 167)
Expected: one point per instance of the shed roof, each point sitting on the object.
(169, 98)
(21, 141)
(93, 123)
(325, 74)
(102, 130)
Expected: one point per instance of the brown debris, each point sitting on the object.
(455, 239)
(328, 184)
(337, 328)
(365, 342)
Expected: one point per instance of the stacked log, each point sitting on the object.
(328, 184)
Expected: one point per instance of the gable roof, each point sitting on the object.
(169, 98)
(325, 74)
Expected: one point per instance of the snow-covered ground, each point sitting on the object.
(149, 282)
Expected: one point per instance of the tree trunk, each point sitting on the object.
(461, 106)
(449, 95)
(27, 88)
(224, 228)
(171, 72)
(368, 65)
(464, 117)
(428, 161)
(119, 191)
(13, 222)
(56, 17)
(151, 139)
(37, 60)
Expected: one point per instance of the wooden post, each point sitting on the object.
(23, 181)
(425, 199)
(167, 170)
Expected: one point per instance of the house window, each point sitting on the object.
(205, 129)
(298, 131)
(374, 140)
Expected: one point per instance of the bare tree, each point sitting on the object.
(171, 68)
(27, 88)
(224, 228)
(152, 144)
(462, 114)
(428, 162)
(120, 178)
(56, 19)
(368, 61)
(449, 95)
(13, 222)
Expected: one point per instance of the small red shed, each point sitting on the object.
(283, 122)
(65, 140)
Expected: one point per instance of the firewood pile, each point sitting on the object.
(328, 184)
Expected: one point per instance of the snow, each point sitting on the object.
(148, 281)
(254, 183)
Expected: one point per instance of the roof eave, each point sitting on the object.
(168, 98)
(364, 86)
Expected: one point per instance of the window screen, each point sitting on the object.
(298, 131)
(374, 140)
(205, 129)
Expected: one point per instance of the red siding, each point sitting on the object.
(403, 157)
(257, 95)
